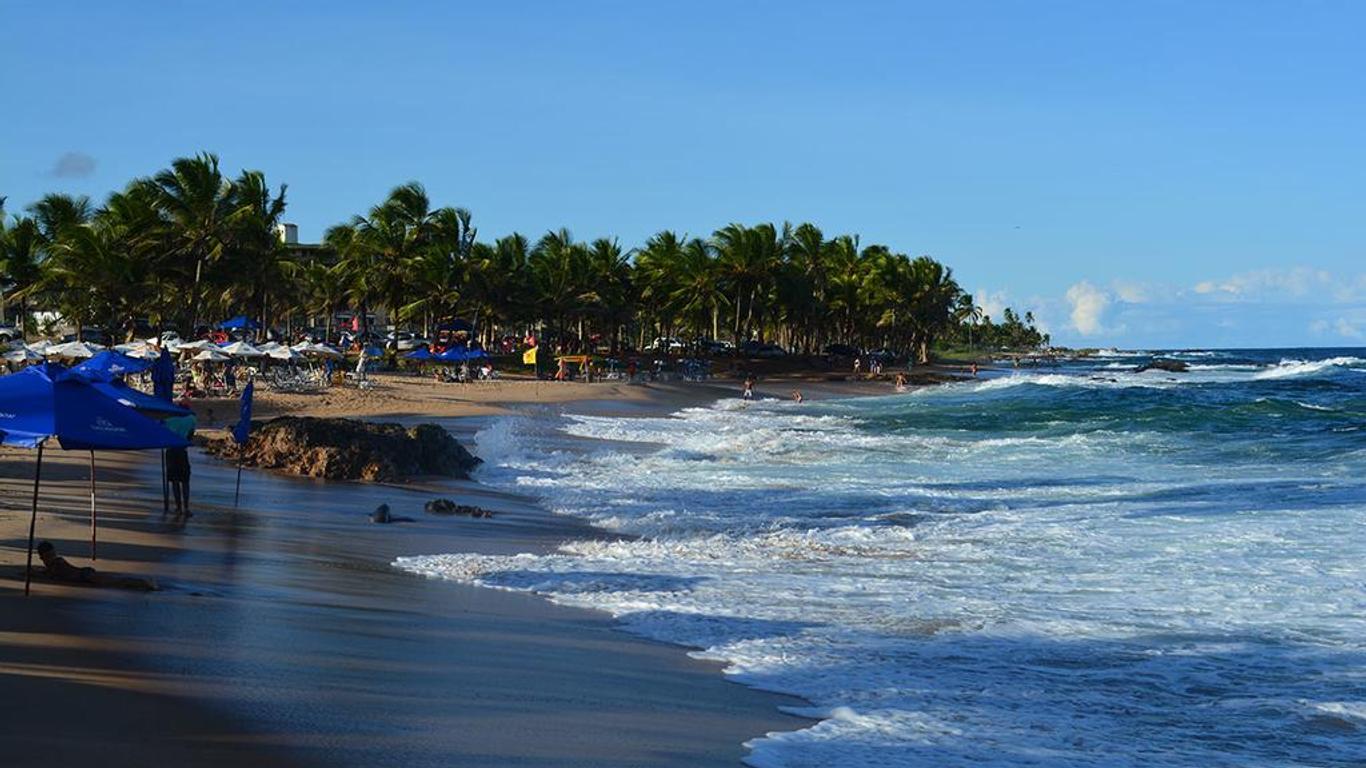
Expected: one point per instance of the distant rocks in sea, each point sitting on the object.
(1163, 364)
(346, 449)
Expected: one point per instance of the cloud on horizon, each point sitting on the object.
(73, 165)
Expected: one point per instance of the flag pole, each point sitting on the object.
(33, 519)
(237, 490)
(165, 487)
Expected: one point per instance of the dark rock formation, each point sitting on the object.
(448, 507)
(345, 449)
(1163, 364)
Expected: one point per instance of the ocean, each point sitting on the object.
(1076, 565)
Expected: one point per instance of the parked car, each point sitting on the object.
(404, 341)
(715, 346)
(666, 344)
(755, 349)
(841, 350)
(9, 333)
(90, 334)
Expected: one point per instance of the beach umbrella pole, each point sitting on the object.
(33, 519)
(92, 505)
(165, 487)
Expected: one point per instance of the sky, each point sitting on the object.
(1154, 174)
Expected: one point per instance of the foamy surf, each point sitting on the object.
(988, 573)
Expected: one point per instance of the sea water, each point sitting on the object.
(1078, 565)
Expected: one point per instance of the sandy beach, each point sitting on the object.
(282, 636)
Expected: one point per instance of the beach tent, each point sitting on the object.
(109, 364)
(452, 355)
(421, 353)
(47, 402)
(241, 322)
(139, 401)
(241, 349)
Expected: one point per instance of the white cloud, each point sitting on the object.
(1130, 291)
(1088, 308)
(993, 303)
(1347, 329)
(1285, 285)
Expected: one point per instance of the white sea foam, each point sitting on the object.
(1290, 367)
(1052, 597)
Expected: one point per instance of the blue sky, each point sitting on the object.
(1141, 174)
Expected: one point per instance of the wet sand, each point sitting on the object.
(282, 636)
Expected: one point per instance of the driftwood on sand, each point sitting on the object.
(346, 449)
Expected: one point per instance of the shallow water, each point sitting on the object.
(1073, 566)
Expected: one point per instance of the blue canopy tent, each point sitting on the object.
(46, 402)
(239, 323)
(452, 355)
(109, 365)
(421, 353)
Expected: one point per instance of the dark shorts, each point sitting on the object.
(177, 464)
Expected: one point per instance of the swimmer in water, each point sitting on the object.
(796, 395)
(901, 382)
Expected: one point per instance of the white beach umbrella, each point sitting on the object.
(268, 346)
(22, 355)
(241, 349)
(318, 350)
(74, 350)
(138, 349)
(193, 346)
(40, 346)
(211, 355)
(284, 353)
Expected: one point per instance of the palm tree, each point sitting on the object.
(199, 203)
(967, 312)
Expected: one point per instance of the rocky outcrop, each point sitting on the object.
(1163, 364)
(448, 507)
(346, 449)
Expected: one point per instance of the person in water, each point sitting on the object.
(748, 393)
(900, 382)
(974, 369)
(60, 569)
(796, 395)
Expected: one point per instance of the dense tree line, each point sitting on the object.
(190, 245)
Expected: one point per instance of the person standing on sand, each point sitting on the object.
(562, 373)
(858, 365)
(178, 463)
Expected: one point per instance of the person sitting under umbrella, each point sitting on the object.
(60, 569)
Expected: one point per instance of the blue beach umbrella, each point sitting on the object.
(241, 322)
(421, 353)
(47, 402)
(109, 365)
(163, 376)
(453, 355)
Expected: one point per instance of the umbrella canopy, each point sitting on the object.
(22, 355)
(241, 349)
(421, 353)
(212, 355)
(138, 401)
(284, 353)
(109, 364)
(73, 350)
(268, 346)
(47, 401)
(139, 349)
(193, 346)
(40, 346)
(239, 322)
(321, 350)
(452, 355)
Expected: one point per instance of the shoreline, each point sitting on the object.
(205, 566)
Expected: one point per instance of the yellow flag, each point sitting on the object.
(529, 356)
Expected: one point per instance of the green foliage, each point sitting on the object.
(190, 243)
